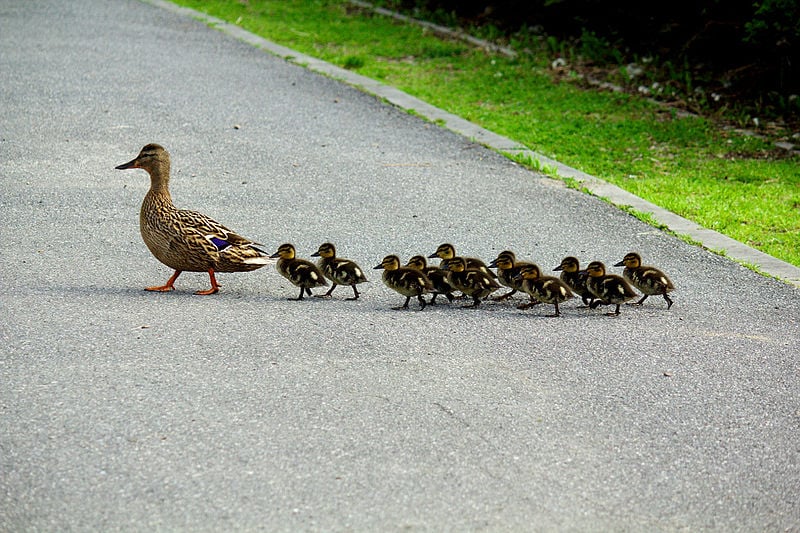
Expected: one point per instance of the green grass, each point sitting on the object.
(688, 165)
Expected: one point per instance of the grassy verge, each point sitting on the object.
(730, 182)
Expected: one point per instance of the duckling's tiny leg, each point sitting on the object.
(615, 313)
(300, 296)
(505, 296)
(214, 286)
(169, 286)
(557, 313)
(355, 292)
(308, 291)
(327, 294)
(587, 303)
(668, 299)
(529, 304)
(405, 305)
(475, 303)
(642, 300)
(421, 302)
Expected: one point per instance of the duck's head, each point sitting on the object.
(456, 264)
(417, 262)
(504, 261)
(390, 262)
(569, 264)
(530, 271)
(631, 260)
(444, 251)
(152, 157)
(326, 251)
(285, 251)
(596, 269)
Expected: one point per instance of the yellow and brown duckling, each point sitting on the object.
(436, 275)
(649, 280)
(301, 273)
(575, 278)
(609, 289)
(507, 269)
(407, 281)
(187, 240)
(470, 281)
(339, 270)
(447, 251)
(545, 289)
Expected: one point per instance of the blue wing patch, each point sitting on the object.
(220, 244)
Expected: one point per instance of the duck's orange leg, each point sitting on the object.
(169, 286)
(214, 286)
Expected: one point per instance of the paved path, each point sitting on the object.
(121, 409)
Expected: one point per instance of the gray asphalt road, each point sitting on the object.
(122, 409)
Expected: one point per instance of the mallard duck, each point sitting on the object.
(649, 280)
(448, 251)
(545, 289)
(471, 281)
(301, 273)
(575, 278)
(339, 270)
(405, 280)
(436, 275)
(187, 240)
(507, 268)
(609, 289)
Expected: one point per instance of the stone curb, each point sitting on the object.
(709, 239)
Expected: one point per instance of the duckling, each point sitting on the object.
(649, 280)
(436, 275)
(607, 288)
(507, 268)
(187, 240)
(301, 273)
(575, 278)
(405, 280)
(448, 251)
(546, 289)
(339, 270)
(471, 281)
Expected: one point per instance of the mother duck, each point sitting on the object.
(187, 240)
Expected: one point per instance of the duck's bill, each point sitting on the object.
(130, 164)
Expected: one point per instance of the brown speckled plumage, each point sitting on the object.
(187, 240)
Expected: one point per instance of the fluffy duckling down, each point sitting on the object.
(470, 281)
(436, 275)
(545, 289)
(609, 289)
(407, 281)
(447, 251)
(301, 273)
(648, 279)
(575, 278)
(507, 269)
(338, 270)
